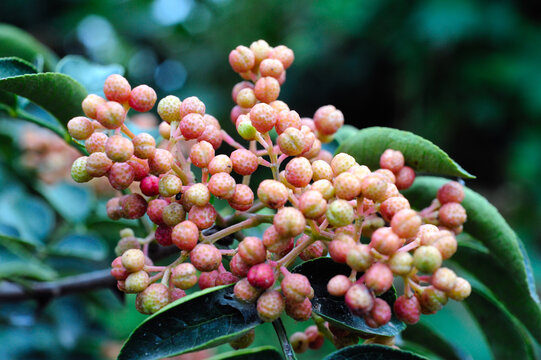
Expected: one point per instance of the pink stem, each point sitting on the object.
(228, 139)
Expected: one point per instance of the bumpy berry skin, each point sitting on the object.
(328, 119)
(78, 170)
(192, 105)
(212, 135)
(149, 185)
(252, 251)
(392, 160)
(273, 241)
(312, 204)
(359, 257)
(126, 243)
(80, 128)
(315, 338)
(207, 279)
(291, 142)
(452, 214)
(299, 311)
(401, 263)
(222, 185)
(155, 210)
(90, 105)
(444, 279)
(133, 206)
(385, 241)
(176, 294)
(173, 214)
(197, 194)
(161, 162)
(152, 299)
(379, 315)
(321, 170)
(406, 223)
(242, 199)
(427, 259)
(299, 172)
(271, 67)
(96, 142)
(144, 145)
(169, 185)
(238, 87)
(241, 59)
(244, 161)
(379, 278)
(342, 162)
(407, 310)
(113, 208)
(119, 148)
(142, 98)
(359, 299)
(117, 88)
(111, 115)
(246, 98)
(185, 235)
(245, 292)
(314, 251)
(192, 126)
(404, 178)
(325, 187)
(220, 163)
(238, 267)
(347, 186)
(263, 117)
(137, 282)
(118, 271)
(121, 175)
(202, 216)
(163, 235)
(287, 119)
(296, 287)
(373, 187)
(243, 341)
(270, 305)
(98, 164)
(289, 222)
(184, 276)
(338, 285)
(446, 245)
(226, 278)
(169, 109)
(432, 300)
(140, 168)
(340, 213)
(261, 276)
(451, 192)
(267, 89)
(205, 257)
(284, 54)
(272, 193)
(392, 205)
(339, 249)
(461, 290)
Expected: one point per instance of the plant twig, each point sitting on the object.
(284, 341)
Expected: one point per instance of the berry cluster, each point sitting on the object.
(324, 204)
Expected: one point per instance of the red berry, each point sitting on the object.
(452, 214)
(359, 299)
(267, 89)
(242, 199)
(385, 241)
(299, 311)
(379, 278)
(149, 185)
(117, 88)
(263, 117)
(80, 128)
(272, 193)
(245, 292)
(289, 222)
(238, 266)
(96, 142)
(161, 162)
(185, 235)
(299, 172)
(328, 119)
(133, 206)
(111, 115)
(407, 309)
(222, 185)
(241, 59)
(244, 161)
(406, 223)
(379, 315)
(163, 235)
(192, 105)
(205, 257)
(451, 192)
(296, 287)
(404, 178)
(207, 279)
(192, 126)
(252, 251)
(121, 175)
(261, 276)
(118, 271)
(270, 305)
(155, 210)
(203, 216)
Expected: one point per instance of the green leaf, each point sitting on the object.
(367, 145)
(13, 66)
(487, 225)
(333, 309)
(505, 336)
(372, 352)
(344, 133)
(201, 320)
(423, 335)
(80, 246)
(16, 42)
(259, 353)
(16, 260)
(517, 299)
(62, 196)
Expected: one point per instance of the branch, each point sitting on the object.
(284, 341)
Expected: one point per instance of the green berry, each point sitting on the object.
(152, 299)
(78, 170)
(427, 259)
(340, 213)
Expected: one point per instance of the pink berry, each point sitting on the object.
(226, 278)
(392, 160)
(245, 292)
(287, 119)
(392, 205)
(312, 204)
(133, 206)
(117, 88)
(452, 214)
(339, 249)
(272, 193)
(291, 142)
(342, 162)
(149, 185)
(261, 276)
(192, 105)
(242, 199)
(378, 278)
(244, 161)
(185, 235)
(98, 164)
(155, 210)
(220, 163)
(222, 185)
(271, 67)
(267, 89)
(289, 222)
(263, 117)
(385, 241)
(184, 276)
(296, 287)
(96, 142)
(142, 98)
(406, 223)
(338, 285)
(379, 315)
(201, 154)
(212, 135)
(328, 119)
(238, 266)
(241, 59)
(284, 54)
(144, 145)
(90, 105)
(252, 251)
(161, 162)
(359, 299)
(111, 115)
(202, 216)
(207, 279)
(347, 186)
(152, 299)
(451, 192)
(404, 178)
(121, 176)
(205, 257)
(80, 128)
(118, 271)
(119, 148)
(270, 305)
(299, 172)
(299, 311)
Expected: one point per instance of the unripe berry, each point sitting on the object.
(407, 309)
(236, 111)
(328, 119)
(452, 214)
(192, 105)
(299, 311)
(117, 88)
(245, 292)
(244, 341)
(251, 250)
(309, 143)
(78, 170)
(140, 168)
(361, 171)
(119, 148)
(98, 164)
(379, 315)
(374, 187)
(267, 89)
(321, 170)
(406, 223)
(432, 300)
(212, 135)
(261, 276)
(161, 162)
(133, 206)
(444, 279)
(226, 278)
(113, 208)
(261, 50)
(203, 216)
(379, 278)
(428, 234)
(342, 162)
(271, 67)
(163, 235)
(111, 115)
(176, 294)
(142, 98)
(385, 241)
(155, 210)
(451, 192)
(340, 213)
(96, 143)
(272, 193)
(313, 151)
(299, 172)
(185, 235)
(242, 199)
(388, 176)
(238, 267)
(284, 54)
(220, 163)
(184, 276)
(207, 279)
(401, 263)
(80, 128)
(169, 109)
(244, 161)
(152, 299)
(291, 142)
(246, 98)
(315, 337)
(359, 299)
(279, 106)
(324, 187)
(314, 251)
(173, 214)
(339, 248)
(192, 126)
(299, 342)
(392, 160)
(287, 119)
(197, 194)
(245, 128)
(427, 259)
(165, 130)
(222, 185)
(359, 257)
(241, 59)
(312, 204)
(270, 305)
(169, 185)
(90, 105)
(238, 87)
(347, 186)
(289, 222)
(263, 117)
(404, 178)
(205, 257)
(461, 290)
(273, 241)
(118, 271)
(338, 285)
(137, 282)
(446, 245)
(126, 243)
(295, 287)
(144, 145)
(392, 205)
(121, 176)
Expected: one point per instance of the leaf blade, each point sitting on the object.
(371, 352)
(262, 353)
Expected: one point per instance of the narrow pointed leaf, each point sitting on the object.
(372, 352)
(333, 309)
(367, 145)
(201, 320)
(259, 353)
